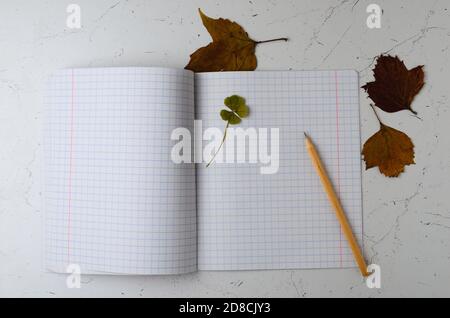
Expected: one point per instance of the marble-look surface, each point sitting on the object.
(406, 220)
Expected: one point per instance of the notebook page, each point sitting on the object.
(248, 220)
(115, 202)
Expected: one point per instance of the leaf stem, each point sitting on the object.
(376, 114)
(221, 144)
(412, 111)
(273, 40)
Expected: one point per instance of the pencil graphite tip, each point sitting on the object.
(307, 139)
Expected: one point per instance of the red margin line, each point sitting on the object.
(69, 199)
(338, 159)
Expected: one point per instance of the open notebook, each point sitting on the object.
(116, 203)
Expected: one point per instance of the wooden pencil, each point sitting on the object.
(335, 203)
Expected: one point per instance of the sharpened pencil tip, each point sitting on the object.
(307, 139)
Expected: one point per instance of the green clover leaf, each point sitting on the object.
(238, 111)
(237, 105)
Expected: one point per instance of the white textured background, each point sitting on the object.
(406, 220)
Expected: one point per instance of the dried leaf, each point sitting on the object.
(231, 49)
(395, 86)
(389, 149)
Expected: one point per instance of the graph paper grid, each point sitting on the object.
(248, 220)
(115, 203)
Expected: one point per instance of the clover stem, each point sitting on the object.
(273, 40)
(221, 144)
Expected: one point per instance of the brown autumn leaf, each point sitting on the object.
(231, 49)
(389, 149)
(395, 86)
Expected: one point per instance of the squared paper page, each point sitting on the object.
(115, 203)
(248, 220)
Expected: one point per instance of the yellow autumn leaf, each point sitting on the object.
(231, 49)
(390, 150)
